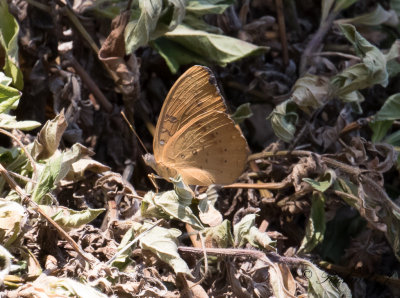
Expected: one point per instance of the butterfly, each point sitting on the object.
(195, 137)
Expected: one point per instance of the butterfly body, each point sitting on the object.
(195, 137)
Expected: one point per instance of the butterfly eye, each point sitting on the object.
(182, 156)
(162, 142)
(194, 152)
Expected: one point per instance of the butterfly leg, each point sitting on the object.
(152, 179)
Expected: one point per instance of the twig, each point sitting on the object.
(13, 185)
(271, 185)
(316, 41)
(382, 279)
(39, 5)
(239, 252)
(30, 158)
(328, 53)
(282, 31)
(90, 84)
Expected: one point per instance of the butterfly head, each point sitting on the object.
(161, 169)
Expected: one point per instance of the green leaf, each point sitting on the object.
(322, 284)
(176, 55)
(284, 119)
(383, 120)
(201, 46)
(343, 4)
(371, 71)
(324, 182)
(71, 219)
(184, 192)
(379, 130)
(393, 139)
(47, 178)
(164, 244)
(316, 226)
(168, 205)
(203, 7)
(4, 80)
(392, 59)
(10, 122)
(8, 97)
(48, 139)
(390, 110)
(156, 17)
(246, 232)
(376, 17)
(310, 92)
(9, 29)
(242, 113)
(220, 236)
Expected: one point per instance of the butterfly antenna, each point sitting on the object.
(134, 131)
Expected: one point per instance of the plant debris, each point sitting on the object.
(313, 86)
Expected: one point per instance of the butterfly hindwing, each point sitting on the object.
(211, 150)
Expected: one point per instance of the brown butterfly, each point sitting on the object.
(195, 137)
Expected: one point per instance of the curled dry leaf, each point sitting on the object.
(310, 92)
(12, 219)
(112, 53)
(48, 139)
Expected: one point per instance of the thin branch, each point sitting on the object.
(13, 185)
(28, 155)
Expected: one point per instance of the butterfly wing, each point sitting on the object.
(210, 149)
(193, 94)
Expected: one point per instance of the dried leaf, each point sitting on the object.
(49, 137)
(207, 212)
(51, 286)
(322, 284)
(82, 165)
(310, 92)
(219, 236)
(12, 218)
(246, 232)
(5, 259)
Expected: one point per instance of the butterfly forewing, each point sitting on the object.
(193, 94)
